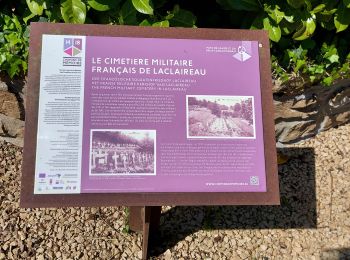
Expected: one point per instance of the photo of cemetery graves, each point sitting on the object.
(220, 117)
(122, 152)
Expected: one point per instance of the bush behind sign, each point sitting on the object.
(309, 38)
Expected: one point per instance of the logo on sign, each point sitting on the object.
(72, 46)
(241, 54)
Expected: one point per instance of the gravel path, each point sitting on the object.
(312, 222)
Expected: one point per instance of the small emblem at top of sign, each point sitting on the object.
(242, 54)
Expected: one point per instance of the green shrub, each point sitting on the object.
(13, 45)
(310, 39)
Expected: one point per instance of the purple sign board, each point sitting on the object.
(128, 115)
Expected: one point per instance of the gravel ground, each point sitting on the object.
(311, 223)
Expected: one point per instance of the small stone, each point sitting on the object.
(297, 249)
(167, 255)
(283, 245)
(21, 235)
(217, 239)
(263, 247)
(40, 257)
(3, 86)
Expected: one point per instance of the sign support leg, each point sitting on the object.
(145, 219)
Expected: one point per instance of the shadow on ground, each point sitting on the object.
(297, 209)
(336, 254)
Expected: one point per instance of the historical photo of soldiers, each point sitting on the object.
(123, 152)
(220, 116)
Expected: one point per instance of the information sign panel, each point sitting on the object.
(148, 116)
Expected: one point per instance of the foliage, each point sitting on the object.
(309, 38)
(13, 45)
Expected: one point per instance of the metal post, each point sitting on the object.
(145, 219)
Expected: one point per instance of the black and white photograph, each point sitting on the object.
(123, 152)
(220, 117)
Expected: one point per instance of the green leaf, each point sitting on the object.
(342, 18)
(318, 8)
(331, 53)
(26, 18)
(289, 18)
(143, 6)
(300, 64)
(103, 5)
(182, 18)
(12, 39)
(312, 78)
(296, 3)
(308, 4)
(296, 54)
(274, 30)
(26, 32)
(275, 13)
(17, 23)
(36, 6)
(329, 12)
(306, 30)
(333, 58)
(73, 11)
(164, 23)
(347, 3)
(145, 23)
(126, 229)
(319, 69)
(169, 16)
(327, 81)
(14, 69)
(127, 14)
(24, 66)
(244, 5)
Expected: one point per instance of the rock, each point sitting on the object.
(263, 247)
(3, 86)
(167, 255)
(12, 101)
(11, 130)
(301, 113)
(40, 257)
(9, 105)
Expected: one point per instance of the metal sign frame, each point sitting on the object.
(28, 199)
